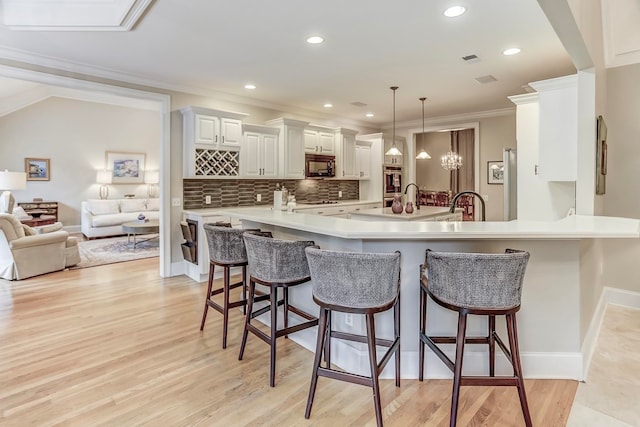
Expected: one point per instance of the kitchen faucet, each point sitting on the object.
(417, 193)
(452, 209)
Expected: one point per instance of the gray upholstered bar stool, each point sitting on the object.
(226, 250)
(278, 264)
(361, 283)
(480, 284)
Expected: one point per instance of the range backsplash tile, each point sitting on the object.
(242, 192)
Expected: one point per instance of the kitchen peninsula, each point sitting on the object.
(426, 213)
(559, 295)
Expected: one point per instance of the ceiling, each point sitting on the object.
(214, 48)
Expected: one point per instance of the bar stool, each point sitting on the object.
(277, 264)
(481, 284)
(361, 283)
(226, 249)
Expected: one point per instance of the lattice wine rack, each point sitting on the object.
(216, 162)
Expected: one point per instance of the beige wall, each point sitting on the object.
(429, 174)
(75, 135)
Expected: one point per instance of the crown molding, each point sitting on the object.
(456, 118)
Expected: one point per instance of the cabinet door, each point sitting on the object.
(269, 155)
(206, 130)
(250, 165)
(325, 141)
(349, 156)
(294, 153)
(311, 144)
(230, 132)
(363, 160)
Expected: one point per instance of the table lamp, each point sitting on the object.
(152, 178)
(10, 181)
(104, 178)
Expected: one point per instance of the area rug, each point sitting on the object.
(116, 249)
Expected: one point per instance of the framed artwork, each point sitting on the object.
(495, 172)
(37, 169)
(601, 156)
(126, 168)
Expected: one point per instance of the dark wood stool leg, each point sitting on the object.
(492, 345)
(371, 341)
(244, 288)
(285, 296)
(327, 342)
(225, 306)
(320, 344)
(206, 302)
(457, 372)
(396, 327)
(247, 320)
(423, 331)
(274, 330)
(512, 330)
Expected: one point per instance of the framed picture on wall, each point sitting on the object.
(37, 169)
(126, 168)
(495, 172)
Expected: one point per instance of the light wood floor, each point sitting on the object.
(118, 346)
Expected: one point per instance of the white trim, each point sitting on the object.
(163, 103)
(451, 120)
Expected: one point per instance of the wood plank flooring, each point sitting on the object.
(118, 346)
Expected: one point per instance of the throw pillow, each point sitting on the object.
(29, 231)
(132, 205)
(153, 204)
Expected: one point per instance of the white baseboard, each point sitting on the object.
(622, 297)
(177, 268)
(72, 228)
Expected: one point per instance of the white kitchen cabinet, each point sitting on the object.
(558, 128)
(363, 160)
(259, 153)
(211, 142)
(319, 140)
(290, 147)
(346, 148)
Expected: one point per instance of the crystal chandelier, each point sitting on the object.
(393, 151)
(451, 160)
(423, 155)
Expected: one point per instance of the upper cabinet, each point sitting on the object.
(211, 141)
(259, 153)
(363, 159)
(558, 128)
(318, 139)
(346, 149)
(290, 147)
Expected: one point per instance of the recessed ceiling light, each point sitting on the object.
(250, 86)
(454, 11)
(328, 105)
(315, 40)
(369, 114)
(511, 51)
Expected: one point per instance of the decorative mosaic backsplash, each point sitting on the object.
(242, 192)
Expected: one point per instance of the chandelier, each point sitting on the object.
(451, 160)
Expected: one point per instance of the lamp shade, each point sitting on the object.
(13, 180)
(151, 177)
(104, 177)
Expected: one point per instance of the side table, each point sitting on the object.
(41, 220)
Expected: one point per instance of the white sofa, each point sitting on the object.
(100, 218)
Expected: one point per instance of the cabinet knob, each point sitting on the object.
(223, 139)
(216, 138)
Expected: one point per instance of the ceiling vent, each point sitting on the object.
(358, 104)
(486, 79)
(471, 59)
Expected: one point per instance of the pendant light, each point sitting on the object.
(393, 151)
(451, 160)
(423, 155)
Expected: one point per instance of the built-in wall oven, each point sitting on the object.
(392, 183)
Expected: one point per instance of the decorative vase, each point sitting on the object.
(396, 206)
(409, 208)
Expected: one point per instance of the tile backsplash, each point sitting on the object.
(243, 192)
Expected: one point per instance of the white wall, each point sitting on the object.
(75, 135)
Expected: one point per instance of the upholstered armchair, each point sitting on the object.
(23, 256)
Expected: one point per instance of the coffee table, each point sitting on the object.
(134, 228)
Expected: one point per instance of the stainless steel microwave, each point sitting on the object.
(319, 166)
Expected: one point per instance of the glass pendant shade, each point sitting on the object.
(423, 155)
(393, 151)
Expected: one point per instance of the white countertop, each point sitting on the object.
(573, 227)
(300, 207)
(418, 214)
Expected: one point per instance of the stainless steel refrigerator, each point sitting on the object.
(509, 158)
